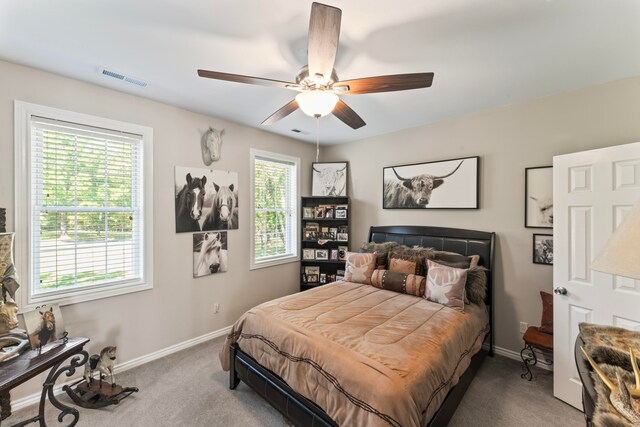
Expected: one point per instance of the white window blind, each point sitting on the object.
(275, 209)
(86, 206)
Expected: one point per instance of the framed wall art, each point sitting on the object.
(538, 197)
(445, 184)
(209, 253)
(543, 249)
(329, 179)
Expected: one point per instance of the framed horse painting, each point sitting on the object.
(206, 200)
(209, 253)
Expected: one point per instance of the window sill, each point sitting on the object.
(272, 263)
(78, 296)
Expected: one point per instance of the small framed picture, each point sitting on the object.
(340, 213)
(334, 254)
(342, 253)
(310, 235)
(319, 211)
(331, 278)
(312, 270)
(538, 197)
(308, 253)
(323, 278)
(543, 249)
(328, 213)
(307, 212)
(44, 325)
(312, 278)
(322, 254)
(343, 237)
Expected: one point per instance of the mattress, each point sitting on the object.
(366, 356)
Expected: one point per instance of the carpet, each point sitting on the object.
(190, 389)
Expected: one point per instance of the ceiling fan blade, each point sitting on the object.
(246, 79)
(281, 113)
(347, 115)
(386, 83)
(322, 43)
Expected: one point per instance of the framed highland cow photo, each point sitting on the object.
(538, 197)
(329, 179)
(445, 184)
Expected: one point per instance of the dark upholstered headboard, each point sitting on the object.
(466, 242)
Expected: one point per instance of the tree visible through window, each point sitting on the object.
(275, 202)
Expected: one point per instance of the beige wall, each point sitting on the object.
(179, 307)
(508, 140)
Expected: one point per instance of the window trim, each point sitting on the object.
(26, 299)
(295, 257)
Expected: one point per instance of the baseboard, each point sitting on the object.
(35, 398)
(516, 356)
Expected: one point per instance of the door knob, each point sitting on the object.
(560, 291)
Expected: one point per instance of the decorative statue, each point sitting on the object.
(103, 363)
(9, 335)
(211, 145)
(623, 399)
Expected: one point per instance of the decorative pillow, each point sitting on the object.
(446, 285)
(381, 250)
(359, 267)
(399, 282)
(412, 252)
(8, 275)
(455, 260)
(476, 286)
(546, 324)
(406, 266)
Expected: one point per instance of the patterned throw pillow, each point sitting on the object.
(445, 285)
(8, 276)
(455, 260)
(399, 282)
(359, 267)
(406, 266)
(546, 324)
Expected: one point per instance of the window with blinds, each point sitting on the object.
(86, 203)
(275, 201)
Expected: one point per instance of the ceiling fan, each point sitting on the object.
(318, 82)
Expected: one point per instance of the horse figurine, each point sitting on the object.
(189, 204)
(224, 211)
(211, 257)
(102, 363)
(212, 145)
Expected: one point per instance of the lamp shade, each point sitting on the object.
(621, 254)
(317, 102)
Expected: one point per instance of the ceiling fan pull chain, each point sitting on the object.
(317, 138)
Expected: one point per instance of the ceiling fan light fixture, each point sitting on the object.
(317, 103)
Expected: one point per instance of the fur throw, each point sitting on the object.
(605, 414)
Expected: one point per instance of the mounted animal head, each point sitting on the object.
(224, 203)
(544, 209)
(332, 181)
(421, 186)
(195, 195)
(48, 320)
(8, 315)
(213, 144)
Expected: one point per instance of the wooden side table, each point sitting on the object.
(29, 364)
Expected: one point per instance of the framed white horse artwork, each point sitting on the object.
(209, 253)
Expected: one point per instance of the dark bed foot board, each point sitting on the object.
(300, 411)
(453, 399)
(233, 376)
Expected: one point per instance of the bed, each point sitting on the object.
(304, 354)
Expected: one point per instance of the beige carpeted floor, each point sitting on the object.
(190, 389)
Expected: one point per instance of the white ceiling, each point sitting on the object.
(484, 53)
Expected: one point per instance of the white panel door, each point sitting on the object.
(592, 192)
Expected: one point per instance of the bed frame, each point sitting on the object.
(304, 413)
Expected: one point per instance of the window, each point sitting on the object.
(83, 189)
(274, 208)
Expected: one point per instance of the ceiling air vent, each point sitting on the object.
(303, 132)
(123, 77)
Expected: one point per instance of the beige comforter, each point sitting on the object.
(367, 356)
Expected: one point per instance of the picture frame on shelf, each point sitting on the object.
(308, 254)
(319, 212)
(312, 278)
(312, 270)
(328, 212)
(342, 253)
(310, 234)
(543, 249)
(323, 278)
(448, 184)
(334, 255)
(331, 278)
(538, 197)
(308, 212)
(329, 179)
(322, 254)
(342, 237)
(340, 212)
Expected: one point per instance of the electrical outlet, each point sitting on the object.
(216, 308)
(523, 327)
